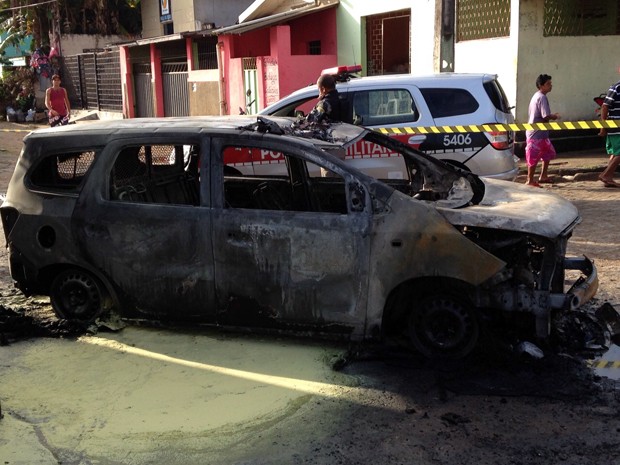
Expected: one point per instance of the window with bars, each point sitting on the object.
(249, 63)
(482, 19)
(581, 17)
(314, 47)
(207, 52)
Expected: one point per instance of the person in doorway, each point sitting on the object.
(538, 146)
(57, 103)
(329, 106)
(610, 110)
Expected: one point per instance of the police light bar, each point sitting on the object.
(343, 73)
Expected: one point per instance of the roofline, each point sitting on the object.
(237, 28)
(275, 19)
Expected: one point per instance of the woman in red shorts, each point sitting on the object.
(57, 103)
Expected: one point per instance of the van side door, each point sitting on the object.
(142, 221)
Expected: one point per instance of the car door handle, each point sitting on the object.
(417, 139)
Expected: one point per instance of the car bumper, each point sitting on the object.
(582, 290)
(510, 175)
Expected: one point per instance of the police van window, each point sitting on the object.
(161, 174)
(299, 107)
(449, 102)
(496, 93)
(260, 179)
(62, 172)
(383, 107)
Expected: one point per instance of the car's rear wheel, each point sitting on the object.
(76, 294)
(443, 326)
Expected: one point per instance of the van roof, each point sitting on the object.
(338, 134)
(423, 80)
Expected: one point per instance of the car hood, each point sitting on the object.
(516, 207)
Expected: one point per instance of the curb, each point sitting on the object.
(580, 167)
(568, 175)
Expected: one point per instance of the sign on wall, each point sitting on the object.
(165, 12)
(272, 85)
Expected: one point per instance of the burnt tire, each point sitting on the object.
(443, 326)
(77, 295)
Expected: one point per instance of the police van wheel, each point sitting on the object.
(77, 295)
(443, 326)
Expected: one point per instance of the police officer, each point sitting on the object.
(328, 107)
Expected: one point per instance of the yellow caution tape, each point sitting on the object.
(554, 126)
(605, 364)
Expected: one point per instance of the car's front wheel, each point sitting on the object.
(76, 294)
(443, 326)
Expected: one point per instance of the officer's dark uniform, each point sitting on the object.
(328, 107)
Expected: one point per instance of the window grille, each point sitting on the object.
(314, 47)
(482, 19)
(249, 63)
(207, 53)
(581, 17)
(108, 75)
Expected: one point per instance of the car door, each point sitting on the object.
(139, 220)
(289, 249)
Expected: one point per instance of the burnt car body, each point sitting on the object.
(154, 218)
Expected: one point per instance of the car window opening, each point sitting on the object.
(63, 172)
(292, 184)
(160, 174)
(384, 107)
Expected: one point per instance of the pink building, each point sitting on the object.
(251, 65)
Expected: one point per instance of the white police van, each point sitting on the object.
(401, 101)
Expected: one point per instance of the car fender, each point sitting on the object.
(413, 241)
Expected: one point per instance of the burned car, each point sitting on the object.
(175, 219)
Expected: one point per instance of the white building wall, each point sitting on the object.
(352, 37)
(493, 56)
(182, 17)
(423, 37)
(581, 67)
(191, 15)
(220, 13)
(151, 26)
(74, 44)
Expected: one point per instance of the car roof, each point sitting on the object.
(425, 79)
(439, 80)
(334, 135)
(152, 124)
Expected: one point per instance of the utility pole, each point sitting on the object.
(445, 35)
